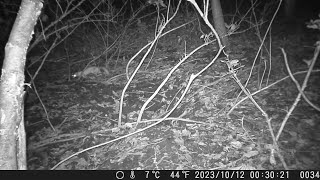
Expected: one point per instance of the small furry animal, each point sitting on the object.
(91, 70)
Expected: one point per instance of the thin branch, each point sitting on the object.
(304, 85)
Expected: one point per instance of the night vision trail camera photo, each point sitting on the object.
(161, 84)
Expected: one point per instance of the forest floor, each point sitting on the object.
(199, 134)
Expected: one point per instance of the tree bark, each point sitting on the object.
(218, 23)
(12, 132)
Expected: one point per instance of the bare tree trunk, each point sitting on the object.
(218, 22)
(289, 8)
(12, 132)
